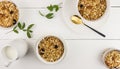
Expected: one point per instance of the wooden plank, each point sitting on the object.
(58, 26)
(44, 3)
(80, 55)
(115, 2)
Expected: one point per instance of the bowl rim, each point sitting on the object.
(44, 61)
(7, 28)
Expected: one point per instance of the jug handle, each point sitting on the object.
(9, 63)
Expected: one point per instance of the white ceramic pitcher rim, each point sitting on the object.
(3, 54)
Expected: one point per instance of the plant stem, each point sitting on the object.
(9, 32)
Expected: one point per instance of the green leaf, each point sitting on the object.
(15, 28)
(23, 26)
(56, 7)
(50, 8)
(30, 31)
(24, 30)
(16, 31)
(19, 25)
(41, 13)
(28, 35)
(30, 26)
(49, 15)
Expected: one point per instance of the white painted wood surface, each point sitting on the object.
(83, 50)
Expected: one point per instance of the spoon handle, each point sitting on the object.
(95, 30)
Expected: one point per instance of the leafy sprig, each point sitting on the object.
(22, 26)
(29, 31)
(52, 9)
(14, 29)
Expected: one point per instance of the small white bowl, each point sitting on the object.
(105, 53)
(9, 28)
(44, 61)
(102, 20)
(70, 7)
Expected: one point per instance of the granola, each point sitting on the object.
(92, 9)
(112, 59)
(51, 48)
(9, 14)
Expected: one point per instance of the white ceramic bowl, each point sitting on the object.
(103, 17)
(105, 53)
(70, 7)
(46, 62)
(9, 28)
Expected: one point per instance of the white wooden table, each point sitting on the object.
(84, 51)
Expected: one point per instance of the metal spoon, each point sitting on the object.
(77, 20)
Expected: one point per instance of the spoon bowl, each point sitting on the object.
(76, 19)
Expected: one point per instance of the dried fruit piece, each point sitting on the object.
(55, 46)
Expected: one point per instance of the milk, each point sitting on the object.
(10, 52)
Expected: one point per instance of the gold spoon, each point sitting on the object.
(77, 20)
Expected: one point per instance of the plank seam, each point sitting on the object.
(44, 7)
(69, 39)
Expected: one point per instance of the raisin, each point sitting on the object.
(42, 49)
(81, 5)
(56, 46)
(11, 12)
(14, 21)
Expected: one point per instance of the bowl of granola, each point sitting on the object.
(92, 9)
(93, 18)
(111, 58)
(51, 49)
(9, 14)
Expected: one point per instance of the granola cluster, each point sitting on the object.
(112, 59)
(51, 48)
(9, 14)
(92, 9)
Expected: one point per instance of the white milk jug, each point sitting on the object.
(13, 51)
